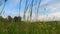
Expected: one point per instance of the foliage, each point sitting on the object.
(17, 19)
(10, 19)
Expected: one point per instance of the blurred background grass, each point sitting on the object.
(30, 28)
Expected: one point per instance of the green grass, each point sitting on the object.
(30, 28)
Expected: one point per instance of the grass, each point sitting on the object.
(30, 28)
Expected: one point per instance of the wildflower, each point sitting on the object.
(49, 25)
(46, 30)
(45, 25)
(54, 28)
(41, 25)
(58, 23)
(5, 30)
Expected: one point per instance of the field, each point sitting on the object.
(30, 28)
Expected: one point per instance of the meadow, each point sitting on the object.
(30, 27)
(30, 8)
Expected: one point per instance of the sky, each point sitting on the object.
(52, 9)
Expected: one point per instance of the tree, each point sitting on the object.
(17, 19)
(9, 18)
(1, 18)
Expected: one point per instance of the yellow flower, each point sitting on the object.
(5, 30)
(54, 28)
(58, 23)
(46, 30)
(49, 25)
(41, 25)
(45, 26)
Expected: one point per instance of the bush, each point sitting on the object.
(17, 19)
(9, 18)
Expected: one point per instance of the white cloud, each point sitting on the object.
(50, 17)
(44, 2)
(51, 6)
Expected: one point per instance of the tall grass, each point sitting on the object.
(31, 9)
(19, 7)
(25, 10)
(38, 9)
(3, 6)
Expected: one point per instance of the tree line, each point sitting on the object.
(10, 19)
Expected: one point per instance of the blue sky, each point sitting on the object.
(52, 9)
